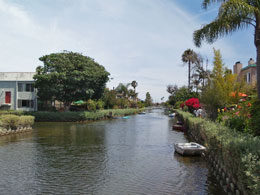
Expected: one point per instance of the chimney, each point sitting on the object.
(237, 68)
(251, 61)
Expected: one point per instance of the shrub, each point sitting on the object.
(254, 123)
(192, 104)
(26, 121)
(91, 105)
(238, 151)
(100, 104)
(10, 121)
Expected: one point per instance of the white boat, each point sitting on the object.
(189, 149)
(142, 113)
(172, 115)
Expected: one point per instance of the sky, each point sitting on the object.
(140, 40)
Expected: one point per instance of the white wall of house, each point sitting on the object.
(23, 94)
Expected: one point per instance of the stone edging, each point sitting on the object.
(12, 132)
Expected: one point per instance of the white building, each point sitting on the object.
(17, 91)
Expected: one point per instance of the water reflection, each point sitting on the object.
(125, 156)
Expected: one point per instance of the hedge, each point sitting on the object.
(11, 121)
(45, 116)
(239, 152)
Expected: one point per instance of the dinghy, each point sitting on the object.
(189, 149)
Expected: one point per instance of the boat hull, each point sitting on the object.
(189, 151)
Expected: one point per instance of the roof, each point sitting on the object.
(249, 66)
(17, 76)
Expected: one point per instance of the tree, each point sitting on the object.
(218, 90)
(123, 89)
(68, 77)
(134, 85)
(148, 99)
(189, 56)
(109, 98)
(233, 15)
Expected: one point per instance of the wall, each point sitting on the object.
(8, 86)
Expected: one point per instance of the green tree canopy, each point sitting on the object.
(148, 99)
(68, 77)
(217, 92)
(190, 57)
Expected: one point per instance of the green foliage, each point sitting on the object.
(238, 151)
(217, 93)
(26, 121)
(109, 98)
(68, 77)
(148, 99)
(233, 15)
(100, 104)
(180, 94)
(254, 122)
(80, 116)
(91, 105)
(10, 121)
(177, 105)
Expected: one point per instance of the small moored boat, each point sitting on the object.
(178, 127)
(142, 113)
(189, 149)
(172, 115)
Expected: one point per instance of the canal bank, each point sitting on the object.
(122, 156)
(231, 155)
(82, 116)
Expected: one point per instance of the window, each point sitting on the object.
(25, 104)
(248, 78)
(20, 87)
(28, 87)
(8, 97)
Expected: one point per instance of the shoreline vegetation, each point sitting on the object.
(72, 116)
(238, 152)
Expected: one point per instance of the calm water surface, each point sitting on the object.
(123, 156)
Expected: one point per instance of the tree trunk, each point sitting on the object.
(257, 44)
(258, 70)
(189, 76)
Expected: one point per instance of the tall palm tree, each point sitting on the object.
(233, 15)
(190, 57)
(134, 85)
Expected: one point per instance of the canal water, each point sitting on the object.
(122, 156)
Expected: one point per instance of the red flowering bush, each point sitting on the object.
(192, 104)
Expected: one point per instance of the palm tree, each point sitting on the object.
(190, 57)
(233, 15)
(134, 85)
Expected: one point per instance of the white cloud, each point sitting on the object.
(140, 40)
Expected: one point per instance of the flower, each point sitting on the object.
(193, 103)
(249, 104)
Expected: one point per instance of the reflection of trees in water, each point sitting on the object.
(70, 156)
(8, 139)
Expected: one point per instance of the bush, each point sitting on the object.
(43, 116)
(26, 121)
(100, 104)
(238, 123)
(254, 123)
(238, 151)
(91, 105)
(10, 121)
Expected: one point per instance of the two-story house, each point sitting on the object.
(17, 91)
(247, 73)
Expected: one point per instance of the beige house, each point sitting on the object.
(248, 73)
